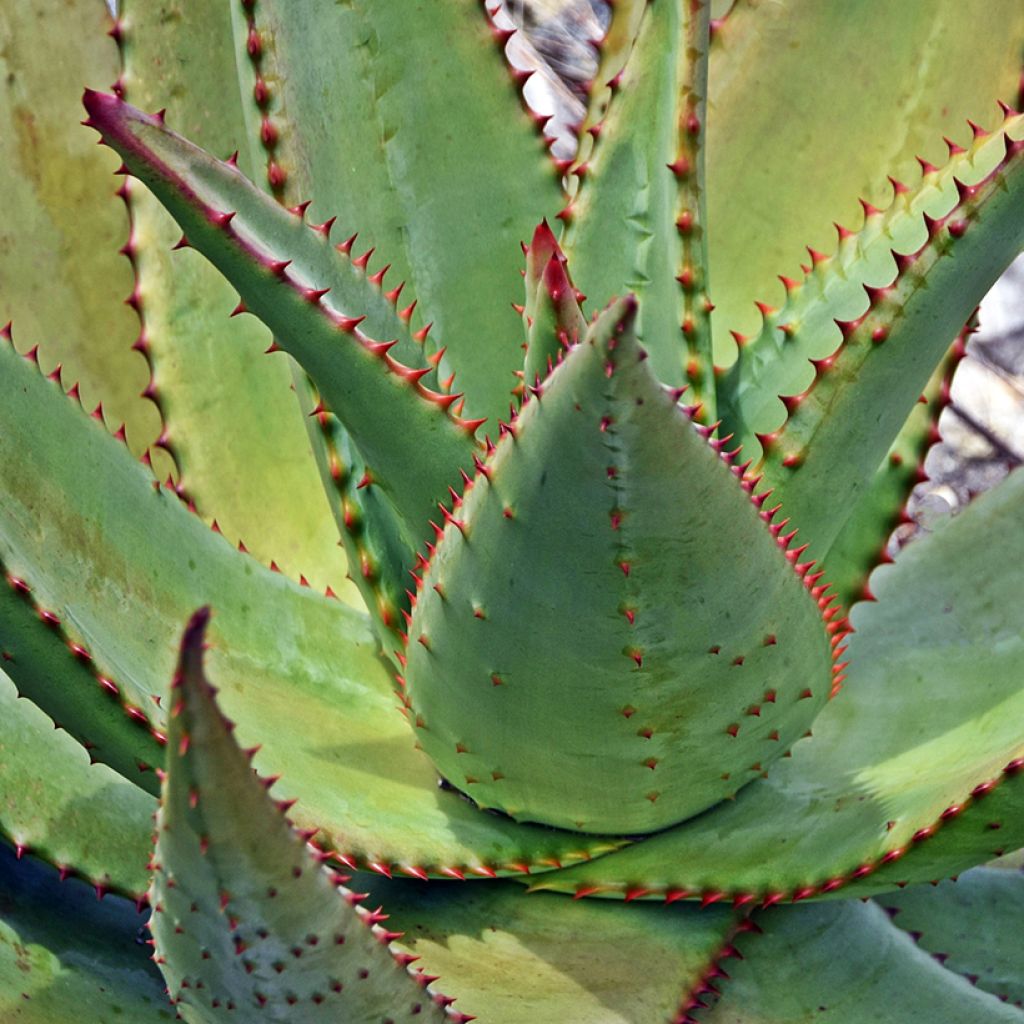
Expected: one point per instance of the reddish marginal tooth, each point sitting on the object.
(325, 228)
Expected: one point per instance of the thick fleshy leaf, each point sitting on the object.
(971, 926)
(630, 691)
(298, 672)
(843, 965)
(81, 817)
(924, 263)
(64, 956)
(636, 222)
(54, 667)
(62, 279)
(245, 918)
(915, 772)
(863, 541)
(375, 151)
(412, 442)
(552, 317)
(231, 419)
(812, 104)
(520, 959)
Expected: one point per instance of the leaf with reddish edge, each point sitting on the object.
(812, 104)
(231, 419)
(841, 964)
(522, 959)
(384, 142)
(636, 220)
(914, 772)
(279, 266)
(597, 547)
(134, 564)
(863, 542)
(81, 817)
(971, 925)
(63, 281)
(245, 917)
(65, 956)
(866, 329)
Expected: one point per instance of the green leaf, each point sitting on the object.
(62, 279)
(134, 564)
(622, 635)
(55, 804)
(244, 917)
(516, 958)
(811, 105)
(282, 267)
(231, 419)
(383, 142)
(552, 317)
(863, 541)
(64, 956)
(636, 222)
(924, 263)
(971, 926)
(914, 772)
(843, 965)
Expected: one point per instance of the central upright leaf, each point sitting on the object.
(698, 655)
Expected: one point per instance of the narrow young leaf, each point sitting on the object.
(637, 219)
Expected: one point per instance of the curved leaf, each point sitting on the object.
(55, 804)
(231, 419)
(971, 926)
(383, 142)
(520, 959)
(584, 595)
(244, 917)
(843, 965)
(811, 105)
(62, 278)
(916, 770)
(298, 672)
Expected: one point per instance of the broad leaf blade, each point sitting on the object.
(134, 565)
(925, 263)
(843, 965)
(231, 419)
(62, 278)
(255, 243)
(623, 635)
(519, 959)
(970, 925)
(55, 804)
(915, 772)
(244, 917)
(811, 105)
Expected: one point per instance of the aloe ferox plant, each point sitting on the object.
(622, 714)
